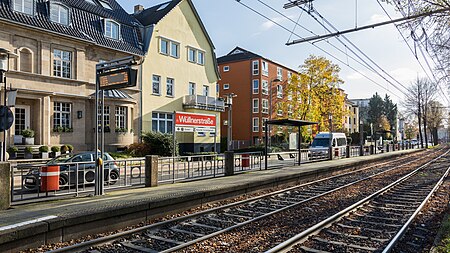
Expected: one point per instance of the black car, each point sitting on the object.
(69, 164)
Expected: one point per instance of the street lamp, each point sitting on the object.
(271, 106)
(5, 55)
(229, 103)
(330, 149)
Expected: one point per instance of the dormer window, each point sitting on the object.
(112, 29)
(59, 14)
(91, 2)
(24, 6)
(105, 5)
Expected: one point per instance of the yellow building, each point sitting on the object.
(179, 72)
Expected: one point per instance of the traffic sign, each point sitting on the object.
(6, 118)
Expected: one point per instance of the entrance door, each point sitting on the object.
(21, 121)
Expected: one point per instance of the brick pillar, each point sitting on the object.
(5, 186)
(229, 163)
(151, 171)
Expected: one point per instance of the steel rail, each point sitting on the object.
(299, 238)
(400, 233)
(104, 240)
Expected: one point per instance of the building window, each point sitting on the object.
(121, 117)
(290, 95)
(354, 110)
(156, 85)
(62, 61)
(289, 75)
(279, 73)
(279, 91)
(192, 55)
(354, 121)
(265, 106)
(169, 87)
(255, 124)
(263, 123)
(196, 56)
(24, 6)
(59, 14)
(162, 122)
(192, 89)
(169, 47)
(106, 116)
(226, 68)
(62, 115)
(225, 122)
(279, 110)
(255, 86)
(112, 29)
(105, 4)
(265, 87)
(201, 58)
(226, 86)
(265, 68)
(255, 105)
(290, 111)
(205, 90)
(255, 67)
(26, 60)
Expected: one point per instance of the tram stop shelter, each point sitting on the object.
(286, 122)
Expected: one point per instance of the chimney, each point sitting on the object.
(138, 8)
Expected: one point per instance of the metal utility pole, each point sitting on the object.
(229, 104)
(330, 149)
(361, 138)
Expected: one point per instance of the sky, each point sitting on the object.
(230, 24)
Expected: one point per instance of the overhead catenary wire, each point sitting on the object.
(364, 64)
(324, 51)
(423, 54)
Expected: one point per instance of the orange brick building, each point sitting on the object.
(260, 86)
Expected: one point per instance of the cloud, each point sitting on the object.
(269, 24)
(355, 76)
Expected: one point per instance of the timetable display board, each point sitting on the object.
(121, 78)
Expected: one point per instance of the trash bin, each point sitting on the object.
(50, 178)
(245, 160)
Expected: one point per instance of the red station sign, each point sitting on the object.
(183, 119)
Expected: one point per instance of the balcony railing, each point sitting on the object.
(204, 103)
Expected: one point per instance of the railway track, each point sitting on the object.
(178, 233)
(378, 222)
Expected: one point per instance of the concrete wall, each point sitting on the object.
(5, 186)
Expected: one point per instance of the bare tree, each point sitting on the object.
(418, 96)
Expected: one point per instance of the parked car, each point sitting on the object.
(69, 164)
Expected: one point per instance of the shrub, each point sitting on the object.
(27, 133)
(13, 149)
(55, 149)
(43, 149)
(139, 149)
(64, 148)
(159, 143)
(117, 155)
(70, 147)
(28, 150)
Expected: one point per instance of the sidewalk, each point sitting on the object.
(32, 225)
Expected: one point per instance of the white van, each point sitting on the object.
(321, 144)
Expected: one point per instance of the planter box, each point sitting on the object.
(28, 155)
(53, 154)
(45, 155)
(12, 155)
(28, 141)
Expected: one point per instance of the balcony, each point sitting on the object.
(204, 103)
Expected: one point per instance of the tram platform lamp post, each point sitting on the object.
(229, 104)
(6, 121)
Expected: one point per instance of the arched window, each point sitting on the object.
(59, 14)
(112, 29)
(26, 60)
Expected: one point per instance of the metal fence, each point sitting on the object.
(30, 180)
(172, 169)
(33, 181)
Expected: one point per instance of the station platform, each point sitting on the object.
(31, 225)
